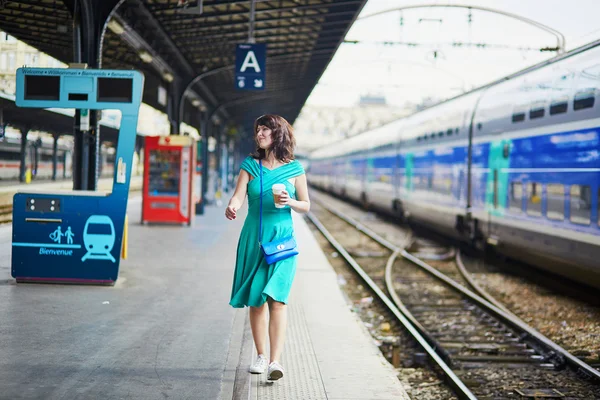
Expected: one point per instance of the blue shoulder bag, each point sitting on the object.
(277, 250)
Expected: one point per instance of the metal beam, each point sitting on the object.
(41, 16)
(273, 45)
(241, 34)
(160, 33)
(194, 24)
(40, 29)
(560, 38)
(47, 41)
(135, 41)
(170, 11)
(291, 9)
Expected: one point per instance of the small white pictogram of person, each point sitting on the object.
(57, 235)
(69, 234)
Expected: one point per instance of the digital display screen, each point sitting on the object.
(115, 90)
(42, 87)
(43, 205)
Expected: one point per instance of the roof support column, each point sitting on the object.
(54, 155)
(173, 104)
(86, 49)
(36, 158)
(204, 159)
(23, 161)
(219, 156)
(89, 19)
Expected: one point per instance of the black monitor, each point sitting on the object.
(115, 90)
(42, 87)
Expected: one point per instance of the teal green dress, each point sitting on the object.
(254, 280)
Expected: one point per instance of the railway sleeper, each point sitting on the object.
(530, 359)
(480, 345)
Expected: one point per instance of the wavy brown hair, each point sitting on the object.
(282, 133)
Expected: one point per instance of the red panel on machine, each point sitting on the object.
(168, 185)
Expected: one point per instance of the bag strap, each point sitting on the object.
(260, 213)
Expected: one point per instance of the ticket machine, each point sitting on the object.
(75, 237)
(168, 195)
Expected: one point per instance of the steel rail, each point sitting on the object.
(454, 381)
(392, 292)
(467, 277)
(554, 352)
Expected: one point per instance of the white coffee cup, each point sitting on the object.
(277, 189)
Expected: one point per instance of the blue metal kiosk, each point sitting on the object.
(75, 237)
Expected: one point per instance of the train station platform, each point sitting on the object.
(165, 330)
(104, 184)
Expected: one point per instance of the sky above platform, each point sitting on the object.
(383, 63)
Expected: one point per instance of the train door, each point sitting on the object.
(496, 195)
(408, 173)
(396, 173)
(368, 174)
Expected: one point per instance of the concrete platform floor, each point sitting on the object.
(166, 330)
(163, 331)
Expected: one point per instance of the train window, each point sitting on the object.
(449, 132)
(534, 199)
(584, 99)
(518, 117)
(559, 105)
(516, 196)
(10, 155)
(456, 131)
(440, 134)
(581, 204)
(419, 139)
(537, 110)
(433, 135)
(555, 201)
(479, 126)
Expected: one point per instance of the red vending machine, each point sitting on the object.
(169, 166)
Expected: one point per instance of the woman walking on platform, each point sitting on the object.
(256, 283)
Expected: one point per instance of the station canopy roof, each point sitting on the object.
(171, 39)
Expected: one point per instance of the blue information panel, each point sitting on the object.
(76, 236)
(250, 66)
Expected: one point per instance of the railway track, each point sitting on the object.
(5, 213)
(483, 350)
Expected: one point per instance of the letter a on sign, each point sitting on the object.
(250, 62)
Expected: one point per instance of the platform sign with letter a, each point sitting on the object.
(250, 66)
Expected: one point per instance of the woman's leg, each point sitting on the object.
(277, 325)
(258, 322)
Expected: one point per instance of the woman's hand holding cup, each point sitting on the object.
(280, 196)
(284, 198)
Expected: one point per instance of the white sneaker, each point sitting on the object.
(275, 371)
(260, 365)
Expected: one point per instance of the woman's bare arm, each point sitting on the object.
(239, 195)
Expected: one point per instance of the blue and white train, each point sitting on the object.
(514, 164)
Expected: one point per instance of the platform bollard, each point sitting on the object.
(28, 175)
(124, 244)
